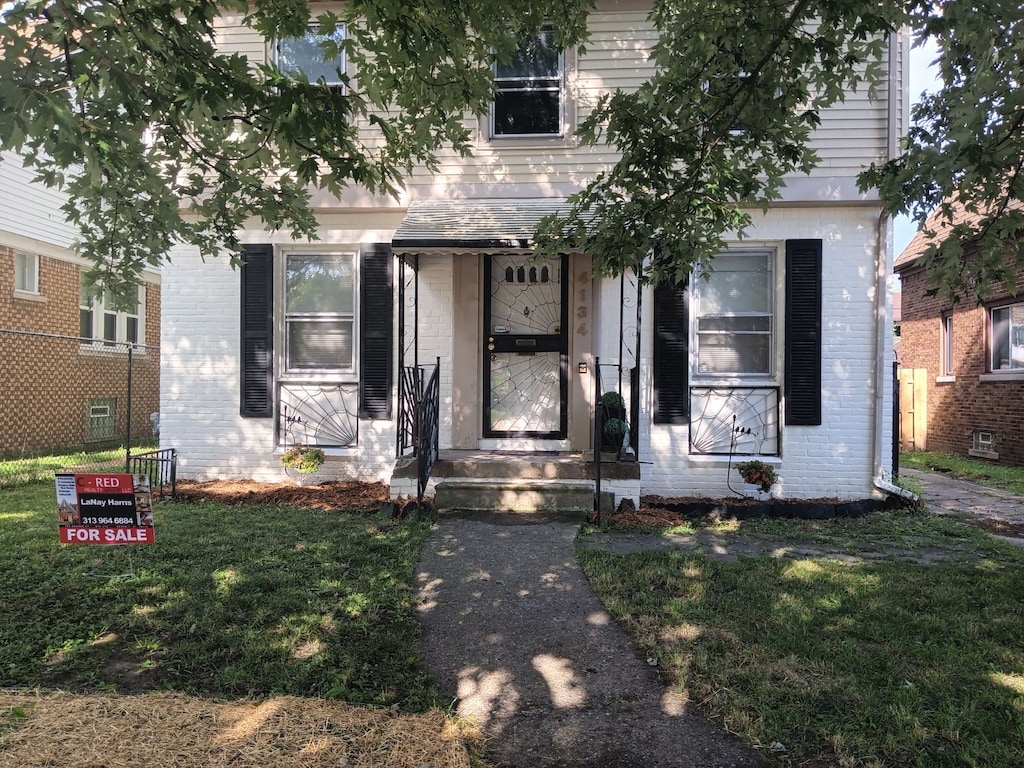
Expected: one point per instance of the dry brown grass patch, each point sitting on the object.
(169, 730)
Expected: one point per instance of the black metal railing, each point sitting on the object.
(615, 421)
(419, 407)
(160, 466)
(410, 392)
(427, 440)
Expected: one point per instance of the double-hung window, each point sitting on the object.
(319, 313)
(1007, 338)
(735, 315)
(947, 345)
(305, 55)
(26, 272)
(529, 90)
(102, 319)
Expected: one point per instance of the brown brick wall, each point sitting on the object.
(957, 409)
(48, 381)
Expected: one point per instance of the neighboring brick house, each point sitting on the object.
(967, 359)
(64, 378)
(785, 354)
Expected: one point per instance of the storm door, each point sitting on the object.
(526, 346)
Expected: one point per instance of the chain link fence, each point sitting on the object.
(74, 404)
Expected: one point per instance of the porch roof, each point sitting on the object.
(492, 223)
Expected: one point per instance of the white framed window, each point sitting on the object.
(26, 272)
(529, 97)
(947, 345)
(305, 55)
(1006, 338)
(102, 320)
(100, 419)
(734, 315)
(319, 313)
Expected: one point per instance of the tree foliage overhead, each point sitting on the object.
(740, 87)
(129, 107)
(965, 149)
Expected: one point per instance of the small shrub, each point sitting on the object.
(612, 399)
(756, 472)
(303, 459)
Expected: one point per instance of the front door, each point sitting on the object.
(526, 346)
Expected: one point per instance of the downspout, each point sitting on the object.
(882, 330)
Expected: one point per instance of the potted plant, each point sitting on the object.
(302, 459)
(613, 407)
(756, 472)
(613, 401)
(612, 433)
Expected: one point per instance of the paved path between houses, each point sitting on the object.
(1001, 511)
(516, 637)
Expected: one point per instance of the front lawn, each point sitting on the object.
(819, 663)
(231, 601)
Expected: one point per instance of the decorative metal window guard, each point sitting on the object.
(322, 415)
(734, 421)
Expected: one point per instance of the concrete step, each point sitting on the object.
(576, 499)
(571, 466)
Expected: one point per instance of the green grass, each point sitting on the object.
(962, 468)
(29, 468)
(230, 601)
(818, 663)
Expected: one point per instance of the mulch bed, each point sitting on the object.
(329, 496)
(654, 511)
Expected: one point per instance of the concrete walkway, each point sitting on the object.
(518, 640)
(515, 635)
(999, 511)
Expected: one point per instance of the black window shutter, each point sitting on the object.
(671, 354)
(376, 308)
(803, 332)
(257, 374)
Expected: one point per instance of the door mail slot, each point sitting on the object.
(526, 342)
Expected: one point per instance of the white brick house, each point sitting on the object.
(784, 355)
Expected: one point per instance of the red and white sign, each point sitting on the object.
(104, 509)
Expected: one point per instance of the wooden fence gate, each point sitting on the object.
(913, 426)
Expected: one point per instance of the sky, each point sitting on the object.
(922, 78)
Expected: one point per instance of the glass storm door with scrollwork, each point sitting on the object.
(525, 346)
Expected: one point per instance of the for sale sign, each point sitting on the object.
(104, 509)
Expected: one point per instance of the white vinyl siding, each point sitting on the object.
(235, 37)
(851, 135)
(30, 209)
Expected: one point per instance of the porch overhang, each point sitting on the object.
(473, 224)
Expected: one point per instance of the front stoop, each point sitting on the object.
(525, 496)
(527, 484)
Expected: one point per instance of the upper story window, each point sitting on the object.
(306, 55)
(530, 93)
(1007, 338)
(101, 320)
(735, 315)
(26, 272)
(319, 297)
